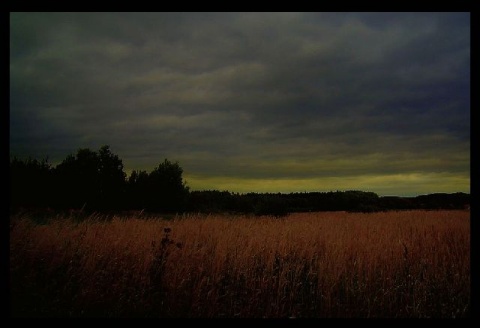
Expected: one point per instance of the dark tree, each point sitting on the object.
(91, 180)
(163, 189)
(169, 191)
(111, 179)
(78, 180)
(138, 190)
(30, 183)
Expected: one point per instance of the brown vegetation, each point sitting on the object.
(327, 264)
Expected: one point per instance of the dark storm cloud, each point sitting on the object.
(247, 95)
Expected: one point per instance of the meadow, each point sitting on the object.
(323, 264)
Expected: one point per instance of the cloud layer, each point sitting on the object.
(251, 101)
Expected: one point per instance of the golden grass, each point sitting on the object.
(327, 264)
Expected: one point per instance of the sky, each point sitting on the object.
(262, 102)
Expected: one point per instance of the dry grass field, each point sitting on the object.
(328, 264)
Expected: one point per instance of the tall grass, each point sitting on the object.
(330, 264)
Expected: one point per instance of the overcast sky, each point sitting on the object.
(274, 102)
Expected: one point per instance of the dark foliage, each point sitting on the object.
(95, 181)
(30, 183)
(163, 189)
(90, 180)
(353, 201)
(274, 205)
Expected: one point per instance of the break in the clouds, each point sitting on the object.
(251, 101)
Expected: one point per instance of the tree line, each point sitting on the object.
(96, 181)
(279, 204)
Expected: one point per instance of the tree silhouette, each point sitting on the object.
(91, 180)
(30, 183)
(96, 181)
(78, 180)
(168, 190)
(163, 189)
(138, 190)
(111, 178)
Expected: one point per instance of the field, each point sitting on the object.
(326, 264)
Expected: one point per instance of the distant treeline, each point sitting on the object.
(354, 201)
(95, 181)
